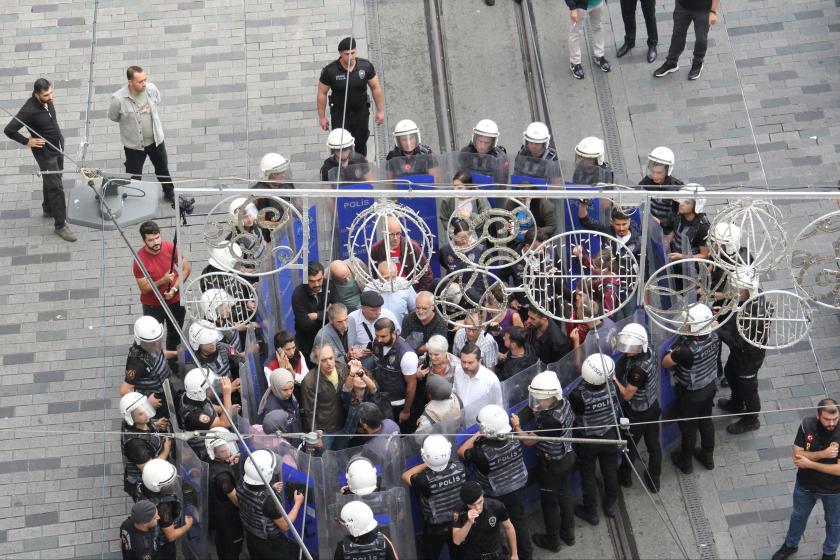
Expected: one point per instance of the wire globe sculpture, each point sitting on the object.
(462, 293)
(815, 260)
(763, 239)
(774, 319)
(220, 299)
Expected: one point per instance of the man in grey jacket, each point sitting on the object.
(136, 107)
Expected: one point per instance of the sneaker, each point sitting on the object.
(743, 426)
(547, 542)
(66, 234)
(602, 63)
(729, 406)
(785, 552)
(665, 69)
(696, 70)
(828, 557)
(676, 458)
(707, 460)
(577, 70)
(591, 518)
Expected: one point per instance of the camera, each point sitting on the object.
(186, 204)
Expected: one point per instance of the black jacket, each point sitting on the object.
(40, 122)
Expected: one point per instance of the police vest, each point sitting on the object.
(444, 493)
(157, 499)
(377, 549)
(389, 373)
(133, 476)
(251, 500)
(549, 419)
(688, 230)
(507, 469)
(647, 395)
(662, 208)
(601, 408)
(185, 420)
(486, 164)
(704, 369)
(221, 508)
(157, 371)
(416, 163)
(220, 363)
(530, 166)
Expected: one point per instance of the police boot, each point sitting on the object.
(729, 405)
(625, 474)
(568, 536)
(548, 542)
(652, 484)
(677, 459)
(705, 459)
(743, 425)
(583, 513)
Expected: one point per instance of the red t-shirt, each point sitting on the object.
(396, 258)
(157, 265)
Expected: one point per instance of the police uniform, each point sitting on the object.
(146, 372)
(136, 544)
(538, 167)
(439, 497)
(357, 117)
(257, 511)
(169, 508)
(224, 516)
(597, 410)
(389, 374)
(642, 372)
(695, 232)
(500, 469)
(370, 546)
(356, 168)
(493, 164)
(695, 373)
(592, 175)
(418, 162)
(556, 464)
(196, 415)
(663, 209)
(484, 541)
(264, 202)
(138, 447)
(745, 360)
(224, 362)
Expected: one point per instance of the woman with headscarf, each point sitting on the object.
(280, 396)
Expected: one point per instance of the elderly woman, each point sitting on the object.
(280, 396)
(440, 361)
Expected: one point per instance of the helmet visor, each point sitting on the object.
(407, 142)
(658, 171)
(538, 402)
(143, 411)
(628, 345)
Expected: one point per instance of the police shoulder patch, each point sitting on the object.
(130, 374)
(204, 418)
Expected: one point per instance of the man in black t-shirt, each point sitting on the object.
(546, 337)
(703, 13)
(139, 533)
(818, 478)
(478, 526)
(352, 115)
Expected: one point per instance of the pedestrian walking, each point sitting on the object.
(579, 10)
(703, 14)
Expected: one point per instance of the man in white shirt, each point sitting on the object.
(474, 383)
(360, 331)
(473, 332)
(398, 295)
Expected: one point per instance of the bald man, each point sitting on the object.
(403, 252)
(342, 286)
(424, 323)
(400, 297)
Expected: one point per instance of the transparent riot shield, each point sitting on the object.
(385, 452)
(420, 172)
(391, 509)
(416, 169)
(587, 172)
(515, 389)
(359, 176)
(302, 472)
(173, 406)
(251, 378)
(194, 475)
(541, 173)
(485, 170)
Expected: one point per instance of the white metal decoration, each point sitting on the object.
(763, 238)
(221, 299)
(815, 260)
(580, 276)
(774, 319)
(464, 292)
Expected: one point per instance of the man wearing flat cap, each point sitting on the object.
(139, 532)
(360, 329)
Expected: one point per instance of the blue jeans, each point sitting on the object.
(803, 503)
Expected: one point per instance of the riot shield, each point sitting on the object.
(194, 475)
(358, 176)
(541, 173)
(419, 172)
(302, 472)
(586, 172)
(487, 171)
(385, 452)
(251, 378)
(391, 509)
(515, 389)
(420, 169)
(173, 406)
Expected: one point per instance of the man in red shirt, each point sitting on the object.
(156, 256)
(403, 252)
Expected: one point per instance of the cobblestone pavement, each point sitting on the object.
(237, 79)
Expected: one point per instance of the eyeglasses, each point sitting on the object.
(393, 235)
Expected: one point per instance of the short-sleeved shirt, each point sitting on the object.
(136, 544)
(158, 265)
(198, 420)
(485, 534)
(812, 436)
(334, 75)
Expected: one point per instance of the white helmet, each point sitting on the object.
(662, 156)
(597, 368)
(745, 277)
(537, 133)
(131, 402)
(236, 207)
(727, 235)
(261, 461)
(340, 139)
(436, 452)
(273, 163)
(632, 338)
(695, 189)
(486, 127)
(698, 318)
(494, 420)
(224, 438)
(160, 476)
(212, 302)
(202, 332)
(357, 518)
(225, 258)
(591, 148)
(196, 383)
(404, 128)
(546, 385)
(361, 476)
(147, 329)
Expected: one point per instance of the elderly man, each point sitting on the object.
(473, 332)
(335, 333)
(473, 382)
(360, 335)
(405, 253)
(398, 295)
(424, 323)
(326, 377)
(342, 286)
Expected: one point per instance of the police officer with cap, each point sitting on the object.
(346, 80)
(590, 167)
(437, 481)
(141, 440)
(660, 177)
(264, 525)
(597, 410)
(693, 361)
(222, 500)
(197, 412)
(554, 418)
(500, 467)
(637, 380)
(535, 155)
(479, 523)
(146, 366)
(139, 533)
(349, 164)
(162, 487)
(365, 541)
(410, 156)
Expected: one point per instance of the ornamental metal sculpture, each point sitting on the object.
(462, 293)
(774, 319)
(222, 299)
(815, 260)
(760, 227)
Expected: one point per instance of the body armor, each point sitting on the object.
(688, 231)
(132, 478)
(444, 494)
(647, 395)
(562, 415)
(601, 408)
(507, 469)
(704, 370)
(251, 500)
(374, 550)
(388, 371)
(158, 371)
(185, 410)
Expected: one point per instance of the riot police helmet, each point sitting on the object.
(745, 277)
(261, 462)
(357, 518)
(147, 330)
(241, 208)
(661, 156)
(493, 420)
(726, 235)
(694, 189)
(218, 439)
(272, 164)
(591, 148)
(160, 476)
(486, 128)
(196, 383)
(633, 339)
(361, 476)
(202, 333)
(407, 136)
(698, 319)
(216, 304)
(536, 133)
(544, 391)
(597, 369)
(340, 139)
(131, 402)
(225, 258)
(436, 452)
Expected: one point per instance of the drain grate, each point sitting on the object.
(697, 516)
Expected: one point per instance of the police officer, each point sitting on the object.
(264, 525)
(140, 440)
(637, 380)
(351, 164)
(395, 371)
(490, 157)
(222, 500)
(437, 481)
(146, 366)
(554, 418)
(659, 178)
(162, 487)
(691, 226)
(275, 173)
(536, 158)
(212, 353)
(693, 361)
(346, 80)
(251, 238)
(479, 523)
(590, 167)
(197, 412)
(410, 156)
(365, 541)
(139, 533)
(597, 410)
(500, 467)
(745, 359)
